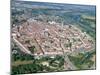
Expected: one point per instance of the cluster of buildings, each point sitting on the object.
(51, 38)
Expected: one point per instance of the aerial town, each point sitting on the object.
(51, 38)
(48, 39)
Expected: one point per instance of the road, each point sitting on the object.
(69, 63)
(21, 46)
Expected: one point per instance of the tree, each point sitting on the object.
(32, 48)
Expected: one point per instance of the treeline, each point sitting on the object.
(22, 57)
(29, 68)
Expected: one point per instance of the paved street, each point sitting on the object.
(21, 46)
